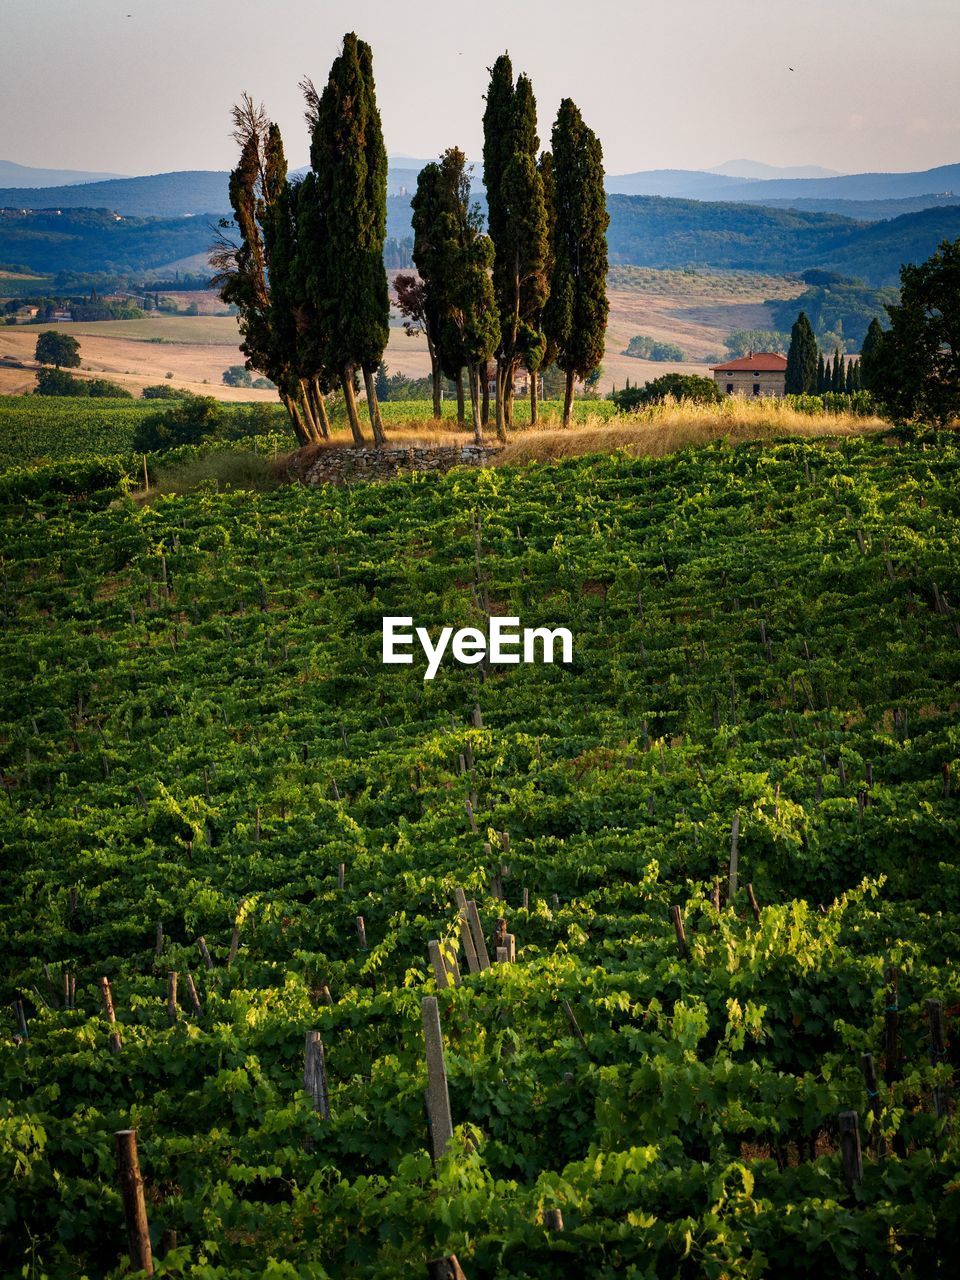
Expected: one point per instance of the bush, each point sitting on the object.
(264, 384)
(645, 348)
(678, 386)
(194, 420)
(57, 382)
(160, 391)
(103, 388)
(238, 375)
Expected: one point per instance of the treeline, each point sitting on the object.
(306, 270)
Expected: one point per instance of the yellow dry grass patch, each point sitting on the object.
(673, 425)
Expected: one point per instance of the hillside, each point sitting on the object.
(651, 231)
(23, 175)
(84, 239)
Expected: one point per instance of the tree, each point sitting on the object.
(347, 279)
(575, 318)
(870, 354)
(918, 376)
(59, 349)
(517, 223)
(838, 379)
(57, 382)
(412, 303)
(195, 419)
(801, 358)
(238, 375)
(821, 374)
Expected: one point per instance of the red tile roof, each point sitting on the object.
(759, 362)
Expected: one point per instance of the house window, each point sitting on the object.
(756, 388)
(729, 388)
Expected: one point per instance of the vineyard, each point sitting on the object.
(640, 966)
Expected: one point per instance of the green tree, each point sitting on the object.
(517, 222)
(413, 305)
(575, 317)
(238, 375)
(677, 386)
(347, 279)
(57, 382)
(195, 419)
(838, 379)
(801, 358)
(870, 357)
(821, 374)
(59, 349)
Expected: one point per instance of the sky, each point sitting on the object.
(145, 86)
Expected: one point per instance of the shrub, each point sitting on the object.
(57, 382)
(194, 420)
(677, 386)
(645, 348)
(238, 376)
(162, 392)
(103, 388)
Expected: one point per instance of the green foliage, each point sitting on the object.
(238, 375)
(916, 373)
(57, 382)
(742, 341)
(645, 348)
(836, 305)
(163, 391)
(757, 632)
(801, 373)
(871, 354)
(677, 386)
(59, 349)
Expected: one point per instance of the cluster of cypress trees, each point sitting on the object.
(306, 269)
(809, 372)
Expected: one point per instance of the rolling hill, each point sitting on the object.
(24, 175)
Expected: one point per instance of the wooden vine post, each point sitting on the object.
(937, 1049)
(850, 1148)
(438, 1095)
(445, 1269)
(115, 1042)
(734, 856)
(134, 1206)
(315, 1075)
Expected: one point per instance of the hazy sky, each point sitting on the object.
(666, 83)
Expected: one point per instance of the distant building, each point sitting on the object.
(761, 373)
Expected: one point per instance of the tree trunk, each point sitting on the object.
(296, 421)
(485, 408)
(534, 402)
(568, 399)
(373, 406)
(508, 378)
(306, 409)
(320, 408)
(461, 409)
(350, 400)
(435, 378)
(501, 420)
(474, 380)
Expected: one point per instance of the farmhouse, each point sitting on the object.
(761, 373)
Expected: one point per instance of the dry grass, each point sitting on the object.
(665, 428)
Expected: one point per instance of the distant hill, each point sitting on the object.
(689, 184)
(23, 175)
(756, 169)
(94, 240)
(160, 195)
(867, 210)
(655, 232)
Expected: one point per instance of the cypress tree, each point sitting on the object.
(821, 376)
(517, 222)
(870, 354)
(427, 210)
(575, 316)
(346, 277)
(848, 380)
(547, 354)
(801, 358)
(837, 381)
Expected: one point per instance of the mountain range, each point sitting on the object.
(23, 175)
(197, 191)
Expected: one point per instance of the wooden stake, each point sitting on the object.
(204, 953)
(159, 943)
(873, 1094)
(751, 898)
(234, 945)
(438, 1096)
(445, 1269)
(734, 856)
(574, 1025)
(850, 1148)
(362, 933)
(341, 875)
(440, 975)
(173, 1013)
(115, 1041)
(315, 1075)
(192, 993)
(680, 932)
(473, 821)
(134, 1206)
(553, 1220)
(473, 915)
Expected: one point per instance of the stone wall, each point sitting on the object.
(341, 465)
